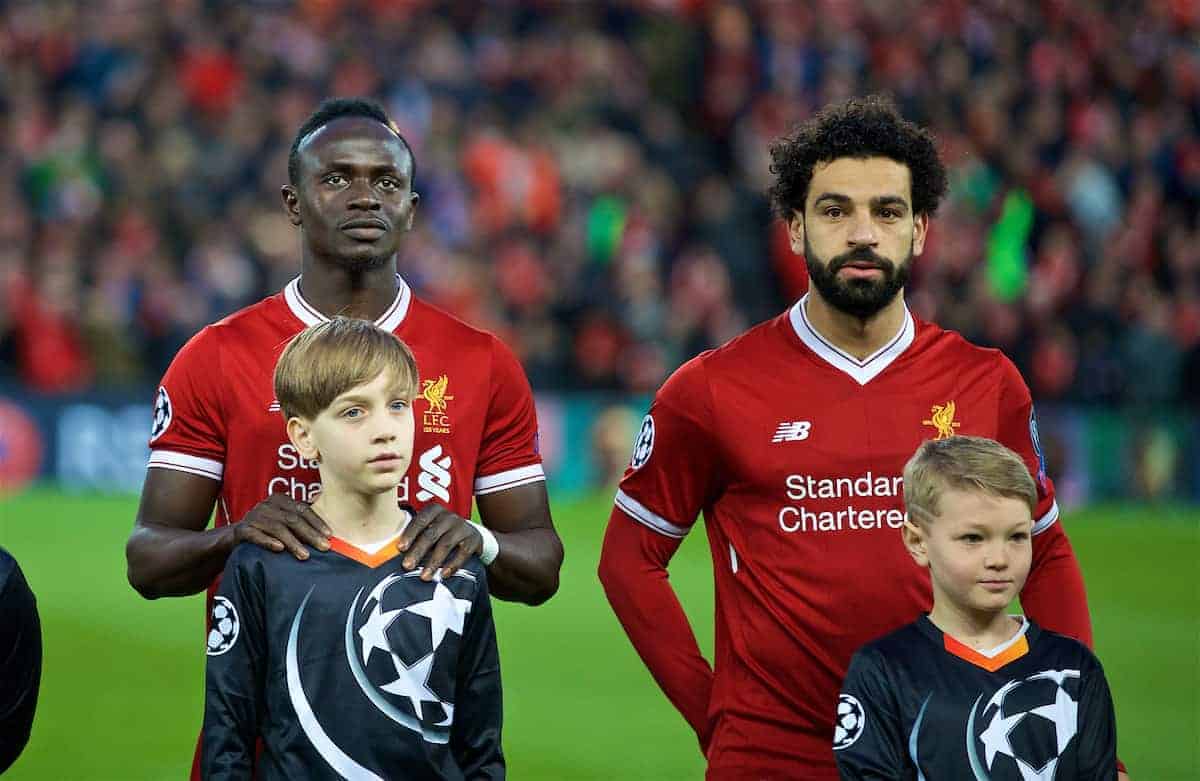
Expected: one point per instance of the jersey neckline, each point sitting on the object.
(390, 320)
(383, 554)
(990, 659)
(861, 371)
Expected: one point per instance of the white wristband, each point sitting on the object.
(491, 547)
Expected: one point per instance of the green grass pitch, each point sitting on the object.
(123, 678)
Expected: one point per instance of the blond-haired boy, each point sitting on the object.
(969, 691)
(346, 664)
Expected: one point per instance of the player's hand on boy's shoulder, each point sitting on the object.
(280, 523)
(437, 538)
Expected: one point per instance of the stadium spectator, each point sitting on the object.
(621, 140)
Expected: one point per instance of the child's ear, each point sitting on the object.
(914, 540)
(300, 433)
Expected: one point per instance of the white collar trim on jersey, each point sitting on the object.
(992, 653)
(390, 320)
(862, 371)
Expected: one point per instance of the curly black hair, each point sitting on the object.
(337, 108)
(859, 127)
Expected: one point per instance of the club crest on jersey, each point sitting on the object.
(435, 420)
(643, 446)
(163, 412)
(942, 419)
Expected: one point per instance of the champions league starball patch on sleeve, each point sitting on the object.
(1037, 448)
(850, 722)
(162, 414)
(644, 445)
(225, 627)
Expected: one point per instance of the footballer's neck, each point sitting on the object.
(359, 518)
(332, 289)
(978, 629)
(858, 336)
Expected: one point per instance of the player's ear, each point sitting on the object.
(914, 540)
(291, 203)
(413, 199)
(796, 232)
(300, 433)
(920, 230)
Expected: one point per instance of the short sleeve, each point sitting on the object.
(508, 449)
(1017, 430)
(673, 473)
(868, 740)
(188, 433)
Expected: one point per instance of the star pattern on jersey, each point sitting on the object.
(413, 682)
(1064, 714)
(445, 612)
(995, 736)
(373, 632)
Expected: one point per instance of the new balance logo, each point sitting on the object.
(792, 431)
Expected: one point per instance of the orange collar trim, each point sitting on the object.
(385, 554)
(989, 663)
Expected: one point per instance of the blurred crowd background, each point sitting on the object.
(593, 175)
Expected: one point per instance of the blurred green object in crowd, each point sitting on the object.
(605, 226)
(1007, 263)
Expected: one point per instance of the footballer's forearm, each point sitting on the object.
(633, 572)
(528, 565)
(1054, 595)
(165, 561)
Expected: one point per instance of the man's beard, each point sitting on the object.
(362, 265)
(861, 298)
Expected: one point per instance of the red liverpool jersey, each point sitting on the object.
(216, 414)
(793, 451)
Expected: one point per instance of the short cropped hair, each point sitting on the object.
(324, 361)
(964, 463)
(860, 128)
(339, 108)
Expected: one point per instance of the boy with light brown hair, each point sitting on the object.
(346, 664)
(969, 691)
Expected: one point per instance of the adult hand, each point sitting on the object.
(437, 538)
(280, 523)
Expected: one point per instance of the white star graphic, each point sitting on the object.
(411, 682)
(1030, 774)
(445, 612)
(995, 737)
(1064, 714)
(373, 631)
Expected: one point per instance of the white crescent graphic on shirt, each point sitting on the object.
(329, 751)
(378, 700)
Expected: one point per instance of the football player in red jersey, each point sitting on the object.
(791, 440)
(218, 438)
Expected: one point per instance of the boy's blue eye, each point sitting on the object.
(353, 412)
(399, 404)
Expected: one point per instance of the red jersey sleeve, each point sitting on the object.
(1017, 430)
(189, 425)
(508, 449)
(1054, 595)
(673, 473)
